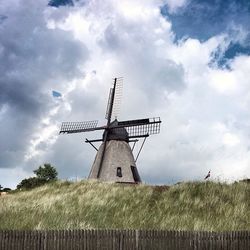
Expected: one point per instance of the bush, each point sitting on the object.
(44, 174)
(30, 183)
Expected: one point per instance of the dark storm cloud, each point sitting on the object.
(34, 60)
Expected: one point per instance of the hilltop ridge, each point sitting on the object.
(206, 206)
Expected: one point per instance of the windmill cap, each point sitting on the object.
(120, 134)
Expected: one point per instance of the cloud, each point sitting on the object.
(35, 60)
(78, 50)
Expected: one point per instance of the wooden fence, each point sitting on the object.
(123, 240)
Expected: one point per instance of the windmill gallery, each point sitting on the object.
(114, 160)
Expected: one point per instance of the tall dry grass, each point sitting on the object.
(89, 204)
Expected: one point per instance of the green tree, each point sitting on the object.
(1, 188)
(46, 172)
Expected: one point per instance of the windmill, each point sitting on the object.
(114, 160)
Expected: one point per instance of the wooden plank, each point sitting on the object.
(17, 241)
(165, 242)
(78, 235)
(101, 240)
(151, 238)
(110, 239)
(7, 239)
(185, 240)
(4, 239)
(10, 240)
(148, 239)
(37, 241)
(58, 241)
(125, 239)
(176, 241)
(168, 239)
(158, 239)
(208, 239)
(245, 239)
(82, 241)
(233, 241)
(190, 240)
(70, 238)
(248, 239)
(184, 244)
(89, 239)
(141, 239)
(131, 239)
(212, 240)
(34, 240)
(31, 239)
(1, 238)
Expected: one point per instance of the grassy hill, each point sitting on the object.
(89, 204)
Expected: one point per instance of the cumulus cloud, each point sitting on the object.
(78, 49)
(35, 60)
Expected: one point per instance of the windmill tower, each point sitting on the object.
(114, 160)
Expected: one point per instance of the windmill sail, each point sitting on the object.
(114, 100)
(109, 103)
(77, 127)
(141, 127)
(117, 98)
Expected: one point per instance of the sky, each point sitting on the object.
(186, 61)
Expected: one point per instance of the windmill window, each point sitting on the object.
(119, 172)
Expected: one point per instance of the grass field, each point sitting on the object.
(89, 204)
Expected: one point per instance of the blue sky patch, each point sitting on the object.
(2, 18)
(204, 19)
(235, 50)
(58, 3)
(56, 93)
(222, 59)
